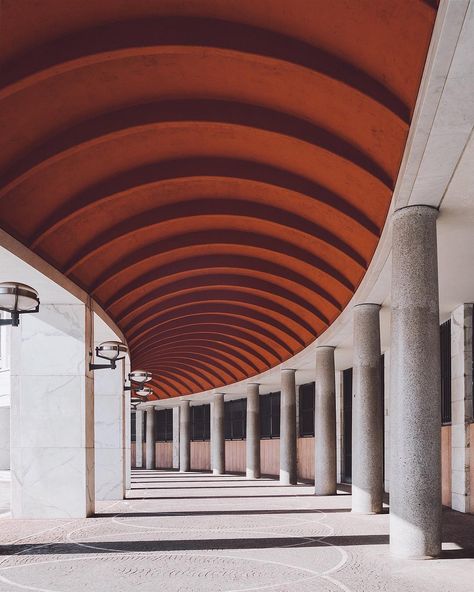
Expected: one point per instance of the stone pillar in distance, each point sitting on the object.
(415, 480)
(139, 439)
(325, 470)
(185, 437)
(253, 432)
(150, 438)
(288, 428)
(367, 412)
(218, 435)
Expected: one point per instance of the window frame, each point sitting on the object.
(235, 414)
(306, 392)
(203, 434)
(273, 402)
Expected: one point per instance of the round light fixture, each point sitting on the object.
(144, 391)
(140, 376)
(111, 351)
(17, 299)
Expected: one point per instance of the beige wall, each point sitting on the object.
(270, 457)
(446, 465)
(305, 458)
(200, 456)
(235, 456)
(164, 455)
(471, 436)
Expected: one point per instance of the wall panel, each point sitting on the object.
(201, 456)
(446, 465)
(270, 456)
(305, 458)
(164, 455)
(235, 456)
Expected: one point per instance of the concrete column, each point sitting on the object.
(52, 414)
(138, 439)
(175, 437)
(288, 428)
(367, 412)
(253, 432)
(185, 437)
(415, 481)
(462, 429)
(109, 449)
(150, 438)
(325, 423)
(217, 435)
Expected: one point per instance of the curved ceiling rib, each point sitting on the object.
(119, 40)
(216, 177)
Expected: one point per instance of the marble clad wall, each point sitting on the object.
(109, 451)
(52, 414)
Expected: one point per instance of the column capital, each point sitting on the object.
(368, 304)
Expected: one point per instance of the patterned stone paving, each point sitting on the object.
(193, 532)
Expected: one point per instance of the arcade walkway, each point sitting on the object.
(192, 532)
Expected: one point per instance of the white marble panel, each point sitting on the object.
(109, 437)
(52, 342)
(50, 411)
(49, 483)
(109, 483)
(4, 438)
(108, 421)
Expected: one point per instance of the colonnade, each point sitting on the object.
(55, 449)
(415, 495)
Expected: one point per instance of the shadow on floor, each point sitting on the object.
(221, 513)
(189, 545)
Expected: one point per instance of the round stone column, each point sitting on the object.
(217, 435)
(253, 432)
(325, 423)
(288, 428)
(184, 437)
(138, 439)
(367, 412)
(150, 438)
(415, 413)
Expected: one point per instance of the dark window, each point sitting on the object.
(445, 339)
(201, 422)
(133, 426)
(235, 419)
(347, 423)
(306, 409)
(270, 416)
(164, 425)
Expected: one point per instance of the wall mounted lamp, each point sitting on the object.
(140, 377)
(17, 299)
(144, 391)
(113, 351)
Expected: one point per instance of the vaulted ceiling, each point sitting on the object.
(215, 173)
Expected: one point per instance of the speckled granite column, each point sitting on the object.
(253, 432)
(325, 423)
(138, 439)
(150, 438)
(184, 437)
(367, 412)
(415, 480)
(217, 435)
(288, 428)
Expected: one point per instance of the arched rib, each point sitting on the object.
(151, 36)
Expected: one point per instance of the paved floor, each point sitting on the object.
(193, 532)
